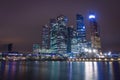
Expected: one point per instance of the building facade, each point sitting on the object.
(57, 37)
(45, 37)
(95, 32)
(58, 34)
(79, 39)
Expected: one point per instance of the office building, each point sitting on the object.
(95, 32)
(58, 37)
(58, 34)
(45, 37)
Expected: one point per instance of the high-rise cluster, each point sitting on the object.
(58, 37)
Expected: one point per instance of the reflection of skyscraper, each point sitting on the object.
(95, 32)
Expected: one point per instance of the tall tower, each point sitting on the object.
(81, 33)
(80, 28)
(62, 34)
(95, 32)
(58, 34)
(45, 37)
(70, 39)
(53, 36)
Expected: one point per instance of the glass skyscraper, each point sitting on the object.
(45, 37)
(60, 38)
(80, 28)
(79, 40)
(58, 34)
(95, 32)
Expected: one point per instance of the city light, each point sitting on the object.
(91, 16)
(90, 51)
(94, 50)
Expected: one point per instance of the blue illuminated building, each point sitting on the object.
(95, 32)
(80, 28)
(79, 39)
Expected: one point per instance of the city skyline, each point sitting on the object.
(22, 21)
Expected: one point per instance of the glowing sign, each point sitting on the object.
(91, 16)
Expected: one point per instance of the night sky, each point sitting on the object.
(21, 21)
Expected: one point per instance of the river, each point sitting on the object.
(56, 70)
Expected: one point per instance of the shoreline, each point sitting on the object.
(72, 59)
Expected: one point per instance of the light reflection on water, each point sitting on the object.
(50, 70)
(91, 71)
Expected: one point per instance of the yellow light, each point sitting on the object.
(76, 59)
(91, 59)
(105, 59)
(4, 58)
(99, 59)
(83, 59)
(94, 50)
(111, 59)
(119, 59)
(95, 59)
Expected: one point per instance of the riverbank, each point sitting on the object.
(69, 59)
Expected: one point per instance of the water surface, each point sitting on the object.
(56, 70)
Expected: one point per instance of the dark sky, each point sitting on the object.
(21, 20)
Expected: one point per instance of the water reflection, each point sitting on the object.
(35, 70)
(54, 73)
(70, 71)
(91, 71)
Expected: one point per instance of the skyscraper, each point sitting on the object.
(95, 32)
(53, 36)
(59, 38)
(62, 34)
(46, 37)
(58, 34)
(70, 36)
(79, 40)
(80, 28)
(74, 43)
